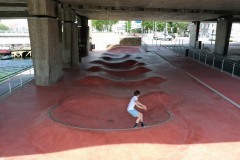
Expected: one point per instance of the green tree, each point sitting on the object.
(160, 26)
(104, 25)
(182, 27)
(98, 25)
(179, 27)
(128, 26)
(111, 23)
(172, 27)
(147, 25)
(4, 27)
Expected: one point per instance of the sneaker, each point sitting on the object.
(135, 126)
(143, 125)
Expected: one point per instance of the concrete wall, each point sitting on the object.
(131, 41)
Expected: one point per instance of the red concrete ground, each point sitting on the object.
(125, 49)
(222, 83)
(202, 125)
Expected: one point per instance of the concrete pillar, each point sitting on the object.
(84, 46)
(69, 54)
(90, 35)
(224, 27)
(42, 8)
(67, 45)
(45, 37)
(75, 47)
(194, 32)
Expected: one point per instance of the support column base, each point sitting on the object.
(46, 48)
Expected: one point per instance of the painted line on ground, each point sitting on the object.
(198, 80)
(50, 115)
(214, 90)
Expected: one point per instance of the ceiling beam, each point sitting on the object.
(13, 4)
(13, 1)
(14, 14)
(114, 8)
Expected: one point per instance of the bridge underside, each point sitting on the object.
(162, 10)
(64, 24)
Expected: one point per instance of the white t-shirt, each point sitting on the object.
(132, 103)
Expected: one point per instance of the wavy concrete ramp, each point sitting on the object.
(114, 58)
(121, 73)
(125, 49)
(119, 65)
(103, 81)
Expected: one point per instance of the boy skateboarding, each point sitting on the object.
(131, 109)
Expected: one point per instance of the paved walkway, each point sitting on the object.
(219, 82)
(15, 82)
(202, 124)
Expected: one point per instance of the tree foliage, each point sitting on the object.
(148, 25)
(128, 26)
(171, 27)
(4, 27)
(104, 25)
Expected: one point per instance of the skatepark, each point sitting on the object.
(84, 116)
(75, 104)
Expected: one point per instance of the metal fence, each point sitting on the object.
(216, 62)
(208, 58)
(15, 80)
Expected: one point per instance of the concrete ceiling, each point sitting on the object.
(13, 8)
(159, 10)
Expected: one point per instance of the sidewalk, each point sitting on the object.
(17, 81)
(221, 82)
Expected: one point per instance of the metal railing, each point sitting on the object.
(208, 58)
(214, 61)
(177, 42)
(17, 79)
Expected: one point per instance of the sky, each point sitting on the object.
(15, 23)
(18, 22)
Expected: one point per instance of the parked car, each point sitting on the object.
(162, 36)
